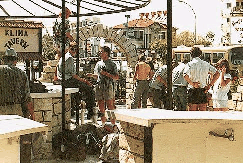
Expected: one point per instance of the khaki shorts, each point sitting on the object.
(104, 92)
(15, 109)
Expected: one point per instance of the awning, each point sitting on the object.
(29, 56)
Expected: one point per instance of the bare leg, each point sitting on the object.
(224, 109)
(111, 106)
(216, 109)
(101, 104)
(202, 107)
(193, 107)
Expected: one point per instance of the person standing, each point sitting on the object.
(158, 86)
(196, 74)
(72, 80)
(106, 73)
(142, 76)
(180, 87)
(221, 87)
(57, 36)
(15, 98)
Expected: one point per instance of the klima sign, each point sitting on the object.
(236, 30)
(21, 39)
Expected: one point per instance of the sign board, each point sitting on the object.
(21, 39)
(236, 30)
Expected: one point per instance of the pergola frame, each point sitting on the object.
(104, 7)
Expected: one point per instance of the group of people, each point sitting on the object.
(105, 73)
(192, 82)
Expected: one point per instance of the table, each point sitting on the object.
(12, 126)
(157, 135)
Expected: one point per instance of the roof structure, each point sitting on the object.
(52, 8)
(20, 24)
(145, 22)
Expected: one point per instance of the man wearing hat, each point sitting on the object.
(15, 97)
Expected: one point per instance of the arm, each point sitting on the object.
(82, 80)
(95, 76)
(136, 73)
(30, 108)
(114, 77)
(224, 82)
(193, 84)
(215, 77)
(69, 36)
(160, 79)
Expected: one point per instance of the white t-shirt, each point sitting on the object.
(220, 92)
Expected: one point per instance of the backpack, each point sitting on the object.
(69, 145)
(37, 87)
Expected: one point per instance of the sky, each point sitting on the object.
(207, 15)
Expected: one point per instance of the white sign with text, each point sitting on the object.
(21, 39)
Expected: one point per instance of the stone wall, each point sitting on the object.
(49, 111)
(236, 103)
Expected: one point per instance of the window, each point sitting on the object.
(136, 34)
(178, 57)
(140, 35)
(162, 36)
(237, 4)
(228, 5)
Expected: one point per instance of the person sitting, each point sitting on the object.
(72, 80)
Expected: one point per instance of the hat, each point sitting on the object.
(11, 52)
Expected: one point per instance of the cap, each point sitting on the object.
(11, 52)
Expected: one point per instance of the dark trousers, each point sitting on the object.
(86, 93)
(180, 98)
(159, 95)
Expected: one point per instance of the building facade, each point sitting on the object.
(148, 28)
(232, 22)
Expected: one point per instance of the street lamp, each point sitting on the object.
(127, 16)
(195, 19)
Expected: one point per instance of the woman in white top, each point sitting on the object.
(221, 87)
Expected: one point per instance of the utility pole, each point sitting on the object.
(127, 16)
(169, 54)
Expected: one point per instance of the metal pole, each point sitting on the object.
(195, 39)
(169, 53)
(63, 64)
(77, 56)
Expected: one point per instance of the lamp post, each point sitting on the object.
(127, 16)
(195, 19)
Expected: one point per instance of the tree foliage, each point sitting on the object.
(188, 39)
(160, 47)
(48, 50)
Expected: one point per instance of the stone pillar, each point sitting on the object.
(49, 111)
(237, 98)
(48, 73)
